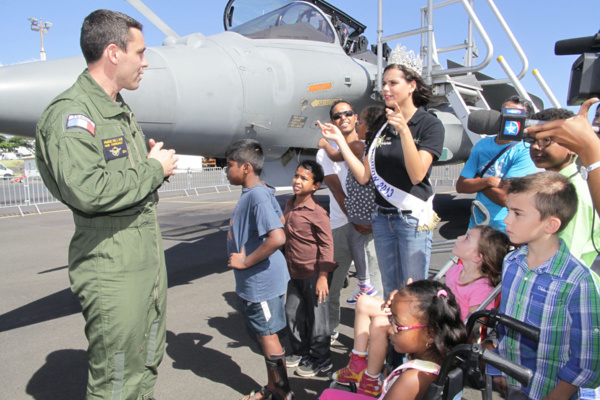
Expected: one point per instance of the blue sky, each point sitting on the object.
(536, 24)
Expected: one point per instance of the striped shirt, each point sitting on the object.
(562, 299)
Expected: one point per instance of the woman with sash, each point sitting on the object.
(399, 161)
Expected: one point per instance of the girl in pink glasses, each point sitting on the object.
(425, 324)
(481, 251)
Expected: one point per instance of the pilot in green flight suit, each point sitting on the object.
(92, 156)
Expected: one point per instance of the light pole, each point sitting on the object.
(45, 28)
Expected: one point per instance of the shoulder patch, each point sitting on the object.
(114, 148)
(81, 121)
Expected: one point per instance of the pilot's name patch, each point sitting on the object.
(114, 148)
(81, 121)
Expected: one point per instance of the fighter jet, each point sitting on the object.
(271, 75)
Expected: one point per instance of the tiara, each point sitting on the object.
(407, 59)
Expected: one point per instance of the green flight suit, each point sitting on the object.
(92, 156)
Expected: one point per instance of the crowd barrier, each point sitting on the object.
(23, 192)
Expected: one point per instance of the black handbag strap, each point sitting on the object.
(493, 160)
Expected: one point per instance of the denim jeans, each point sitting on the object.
(343, 256)
(365, 259)
(402, 250)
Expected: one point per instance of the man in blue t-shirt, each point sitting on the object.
(491, 185)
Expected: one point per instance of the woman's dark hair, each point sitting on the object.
(493, 247)
(422, 92)
(374, 119)
(440, 312)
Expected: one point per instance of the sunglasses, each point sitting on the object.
(398, 328)
(347, 113)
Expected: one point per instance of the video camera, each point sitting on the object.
(508, 124)
(585, 73)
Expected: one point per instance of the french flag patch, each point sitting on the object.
(81, 121)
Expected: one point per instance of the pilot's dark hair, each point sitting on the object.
(422, 93)
(335, 104)
(554, 195)
(247, 151)
(552, 114)
(522, 101)
(374, 118)
(315, 168)
(102, 28)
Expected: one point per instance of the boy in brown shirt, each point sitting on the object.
(309, 255)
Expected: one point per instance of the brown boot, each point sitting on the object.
(278, 377)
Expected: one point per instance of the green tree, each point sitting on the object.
(17, 141)
(11, 144)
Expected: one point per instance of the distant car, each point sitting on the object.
(5, 173)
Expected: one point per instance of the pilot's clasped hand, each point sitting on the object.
(397, 120)
(167, 158)
(331, 132)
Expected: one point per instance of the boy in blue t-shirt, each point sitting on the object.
(261, 275)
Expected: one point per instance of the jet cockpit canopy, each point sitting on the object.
(313, 20)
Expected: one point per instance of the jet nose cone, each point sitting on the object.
(26, 89)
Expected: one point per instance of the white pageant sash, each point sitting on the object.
(421, 210)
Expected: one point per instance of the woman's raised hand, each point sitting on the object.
(396, 119)
(330, 132)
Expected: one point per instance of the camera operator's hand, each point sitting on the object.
(575, 134)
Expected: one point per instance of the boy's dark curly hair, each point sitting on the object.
(441, 313)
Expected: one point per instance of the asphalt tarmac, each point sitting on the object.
(209, 353)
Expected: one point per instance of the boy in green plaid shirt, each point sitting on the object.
(545, 286)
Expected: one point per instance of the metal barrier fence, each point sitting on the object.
(31, 191)
(192, 180)
(446, 175)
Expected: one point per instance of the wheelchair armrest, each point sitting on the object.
(519, 372)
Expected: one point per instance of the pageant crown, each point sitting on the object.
(407, 59)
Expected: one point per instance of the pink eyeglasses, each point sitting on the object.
(398, 328)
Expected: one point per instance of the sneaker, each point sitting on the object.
(369, 386)
(353, 372)
(334, 336)
(361, 290)
(293, 360)
(310, 366)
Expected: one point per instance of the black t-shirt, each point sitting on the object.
(428, 133)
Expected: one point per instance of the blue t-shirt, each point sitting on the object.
(514, 162)
(254, 216)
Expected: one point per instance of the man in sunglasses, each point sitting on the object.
(344, 117)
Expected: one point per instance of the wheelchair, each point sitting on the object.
(462, 366)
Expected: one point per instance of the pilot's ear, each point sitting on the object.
(113, 53)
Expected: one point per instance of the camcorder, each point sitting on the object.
(584, 84)
(585, 73)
